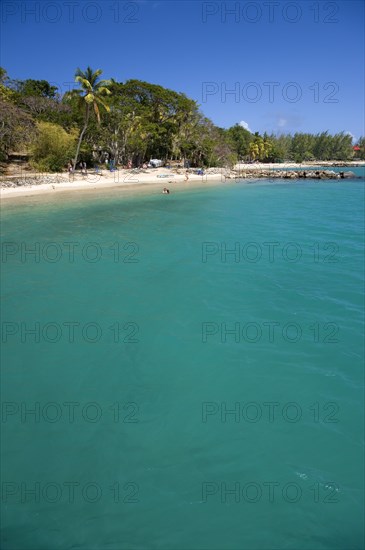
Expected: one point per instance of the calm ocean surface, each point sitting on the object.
(184, 372)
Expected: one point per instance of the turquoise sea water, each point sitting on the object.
(184, 397)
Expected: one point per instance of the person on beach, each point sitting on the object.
(187, 175)
(70, 171)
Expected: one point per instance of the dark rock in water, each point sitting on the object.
(329, 174)
(292, 174)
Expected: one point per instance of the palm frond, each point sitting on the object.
(97, 73)
(103, 90)
(92, 89)
(101, 102)
(103, 83)
(79, 72)
(85, 84)
(89, 98)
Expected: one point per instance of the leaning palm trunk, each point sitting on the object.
(91, 93)
(87, 114)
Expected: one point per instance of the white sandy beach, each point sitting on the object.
(54, 183)
(163, 177)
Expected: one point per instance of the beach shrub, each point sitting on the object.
(53, 147)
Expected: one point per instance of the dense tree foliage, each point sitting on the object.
(37, 88)
(239, 139)
(53, 147)
(139, 121)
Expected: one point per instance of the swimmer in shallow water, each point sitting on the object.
(166, 191)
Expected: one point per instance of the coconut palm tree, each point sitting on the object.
(92, 94)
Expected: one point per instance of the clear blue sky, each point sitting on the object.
(269, 52)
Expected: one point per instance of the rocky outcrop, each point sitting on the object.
(27, 181)
(290, 174)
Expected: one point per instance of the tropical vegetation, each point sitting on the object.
(131, 122)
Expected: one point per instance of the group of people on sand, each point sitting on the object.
(71, 170)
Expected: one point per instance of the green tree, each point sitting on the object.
(341, 146)
(148, 121)
(124, 132)
(260, 148)
(322, 146)
(302, 147)
(53, 147)
(91, 96)
(38, 88)
(281, 145)
(240, 140)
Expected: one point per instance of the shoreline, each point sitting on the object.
(143, 179)
(122, 179)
